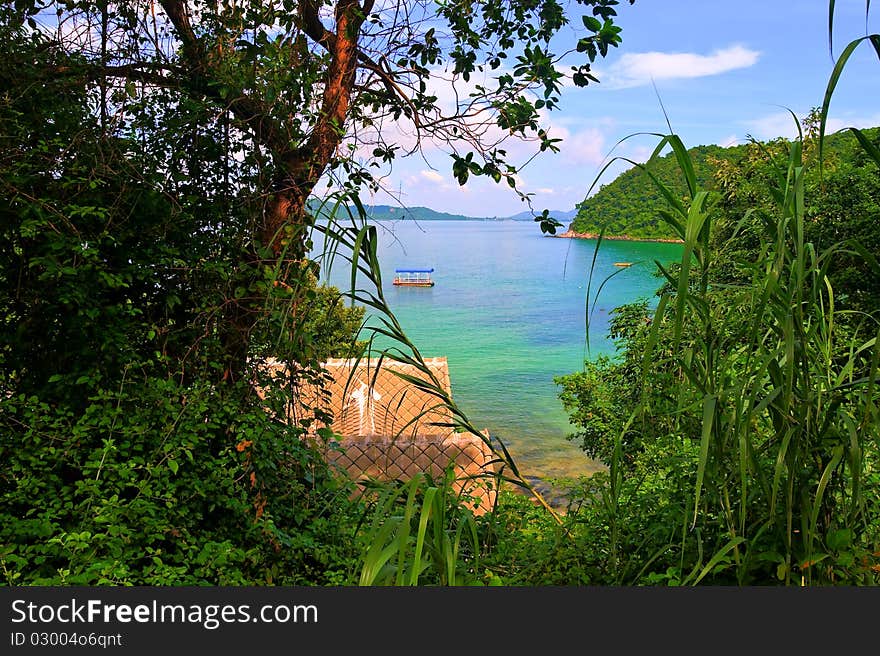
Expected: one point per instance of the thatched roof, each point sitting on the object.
(367, 399)
(393, 423)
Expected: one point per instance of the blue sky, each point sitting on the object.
(723, 69)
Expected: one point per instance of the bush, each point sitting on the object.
(162, 484)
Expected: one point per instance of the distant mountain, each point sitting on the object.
(393, 213)
(560, 216)
(419, 213)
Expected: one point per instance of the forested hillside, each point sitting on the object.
(630, 204)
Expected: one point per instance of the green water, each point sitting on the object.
(508, 311)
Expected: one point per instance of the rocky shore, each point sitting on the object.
(571, 234)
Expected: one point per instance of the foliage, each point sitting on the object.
(600, 398)
(757, 393)
(847, 212)
(841, 192)
(841, 210)
(629, 205)
(767, 333)
(156, 483)
(422, 533)
(127, 459)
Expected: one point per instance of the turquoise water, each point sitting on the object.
(508, 311)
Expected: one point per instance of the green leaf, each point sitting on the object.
(708, 421)
(717, 558)
(839, 539)
(592, 24)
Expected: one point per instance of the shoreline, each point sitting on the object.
(571, 234)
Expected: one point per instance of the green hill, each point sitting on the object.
(629, 204)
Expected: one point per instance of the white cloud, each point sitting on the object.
(640, 154)
(433, 176)
(585, 147)
(782, 124)
(835, 124)
(583, 143)
(637, 69)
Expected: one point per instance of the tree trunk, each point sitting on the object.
(285, 222)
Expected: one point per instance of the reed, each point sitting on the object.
(418, 535)
(784, 417)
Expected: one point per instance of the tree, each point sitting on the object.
(155, 162)
(293, 91)
(124, 458)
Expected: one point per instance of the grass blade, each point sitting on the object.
(708, 423)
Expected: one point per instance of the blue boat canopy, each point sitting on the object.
(414, 270)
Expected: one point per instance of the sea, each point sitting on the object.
(509, 310)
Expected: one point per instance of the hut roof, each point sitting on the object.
(367, 399)
(393, 424)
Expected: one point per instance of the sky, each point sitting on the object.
(723, 70)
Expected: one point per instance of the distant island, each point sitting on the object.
(419, 213)
(392, 213)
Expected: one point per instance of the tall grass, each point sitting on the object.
(782, 404)
(419, 535)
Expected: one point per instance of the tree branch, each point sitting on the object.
(246, 109)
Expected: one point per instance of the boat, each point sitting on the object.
(623, 264)
(413, 277)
